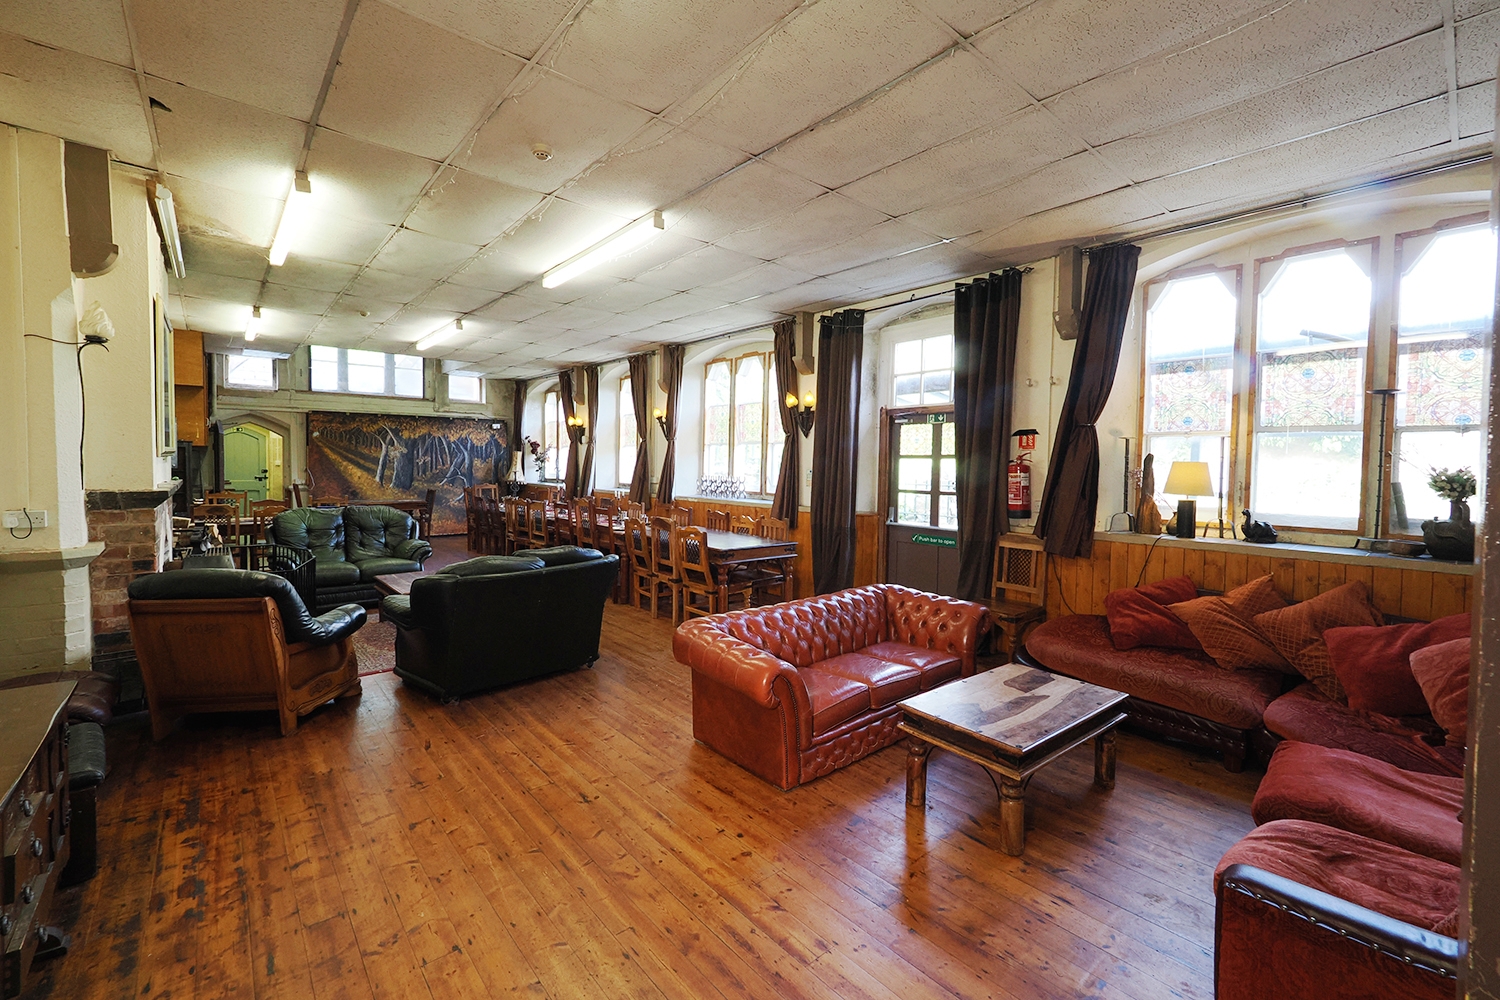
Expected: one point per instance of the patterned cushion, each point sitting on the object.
(1374, 663)
(1138, 616)
(1443, 673)
(1226, 629)
(1297, 631)
(1309, 716)
(1079, 646)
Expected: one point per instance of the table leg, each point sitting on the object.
(1104, 760)
(1012, 816)
(917, 752)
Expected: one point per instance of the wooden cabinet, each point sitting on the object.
(190, 372)
(33, 821)
(187, 358)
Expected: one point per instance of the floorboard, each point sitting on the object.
(567, 838)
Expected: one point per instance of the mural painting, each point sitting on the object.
(373, 457)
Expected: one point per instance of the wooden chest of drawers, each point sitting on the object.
(33, 819)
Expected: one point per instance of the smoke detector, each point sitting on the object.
(542, 151)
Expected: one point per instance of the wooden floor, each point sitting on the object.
(568, 839)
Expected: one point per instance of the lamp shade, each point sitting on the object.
(1189, 479)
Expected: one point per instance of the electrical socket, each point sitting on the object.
(18, 518)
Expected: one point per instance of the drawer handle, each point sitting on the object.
(5, 925)
(27, 895)
(27, 808)
(37, 847)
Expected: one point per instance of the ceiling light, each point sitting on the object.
(166, 220)
(293, 219)
(627, 239)
(439, 335)
(252, 328)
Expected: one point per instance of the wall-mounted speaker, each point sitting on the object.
(91, 230)
(804, 339)
(1069, 304)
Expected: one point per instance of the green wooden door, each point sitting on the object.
(245, 462)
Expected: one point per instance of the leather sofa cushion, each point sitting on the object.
(1080, 647)
(369, 569)
(936, 666)
(335, 572)
(492, 566)
(372, 532)
(564, 555)
(1381, 877)
(1306, 715)
(805, 631)
(888, 682)
(834, 699)
(397, 608)
(316, 528)
(1366, 796)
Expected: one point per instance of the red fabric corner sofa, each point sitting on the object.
(793, 691)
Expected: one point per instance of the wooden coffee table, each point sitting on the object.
(1013, 720)
(394, 583)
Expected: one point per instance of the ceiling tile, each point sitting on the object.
(667, 246)
(73, 96)
(851, 47)
(495, 271)
(1073, 179)
(578, 317)
(886, 240)
(292, 323)
(209, 210)
(271, 54)
(1476, 111)
(93, 27)
(1478, 41)
(1469, 8)
(654, 170)
(409, 85)
(360, 180)
(467, 208)
(624, 296)
(947, 99)
(203, 285)
(236, 260)
(823, 221)
(1296, 39)
(970, 163)
(692, 270)
(230, 145)
(414, 253)
(457, 298)
(351, 312)
(762, 280)
(215, 316)
(743, 199)
(559, 230)
(513, 309)
(518, 26)
(319, 275)
(578, 125)
(290, 298)
(1082, 221)
(389, 286)
(969, 16)
(653, 53)
(336, 238)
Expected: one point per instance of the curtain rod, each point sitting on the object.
(932, 295)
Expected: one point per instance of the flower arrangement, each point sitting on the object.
(534, 448)
(1458, 484)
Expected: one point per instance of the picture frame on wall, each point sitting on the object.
(166, 396)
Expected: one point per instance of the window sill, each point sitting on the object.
(1348, 556)
(742, 502)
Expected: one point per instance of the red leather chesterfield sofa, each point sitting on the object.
(793, 691)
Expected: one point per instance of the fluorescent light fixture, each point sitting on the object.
(439, 335)
(293, 219)
(626, 240)
(166, 220)
(252, 328)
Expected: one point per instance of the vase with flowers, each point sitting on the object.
(534, 449)
(1453, 538)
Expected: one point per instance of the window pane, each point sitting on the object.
(1316, 300)
(366, 371)
(1169, 448)
(908, 390)
(325, 369)
(914, 474)
(1312, 389)
(937, 352)
(1443, 382)
(773, 459)
(950, 438)
(937, 387)
(551, 417)
(716, 419)
(625, 464)
(908, 357)
(1191, 318)
(408, 375)
(914, 508)
(1451, 286)
(1416, 455)
(947, 511)
(1189, 395)
(462, 388)
(749, 392)
(250, 373)
(947, 474)
(1311, 479)
(916, 439)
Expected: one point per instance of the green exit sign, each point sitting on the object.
(942, 541)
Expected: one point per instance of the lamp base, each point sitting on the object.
(1187, 518)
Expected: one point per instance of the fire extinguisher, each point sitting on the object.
(1018, 478)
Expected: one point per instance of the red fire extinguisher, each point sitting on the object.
(1018, 478)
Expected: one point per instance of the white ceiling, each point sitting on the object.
(804, 154)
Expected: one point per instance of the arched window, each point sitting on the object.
(737, 444)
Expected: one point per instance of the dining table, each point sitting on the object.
(728, 550)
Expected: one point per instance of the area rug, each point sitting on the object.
(375, 645)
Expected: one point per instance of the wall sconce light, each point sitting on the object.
(805, 415)
(575, 428)
(661, 419)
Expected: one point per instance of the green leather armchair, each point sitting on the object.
(351, 546)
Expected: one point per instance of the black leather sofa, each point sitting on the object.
(351, 546)
(496, 620)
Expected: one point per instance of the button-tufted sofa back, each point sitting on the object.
(815, 628)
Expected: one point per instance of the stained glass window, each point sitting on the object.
(1312, 333)
(735, 432)
(1190, 332)
(1446, 296)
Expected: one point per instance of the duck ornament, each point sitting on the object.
(1257, 531)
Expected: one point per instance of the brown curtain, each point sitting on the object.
(986, 328)
(671, 373)
(586, 466)
(570, 464)
(1070, 500)
(785, 503)
(835, 464)
(640, 398)
(517, 439)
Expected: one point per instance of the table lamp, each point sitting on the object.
(1188, 479)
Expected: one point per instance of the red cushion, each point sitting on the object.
(1307, 715)
(936, 665)
(1138, 616)
(888, 682)
(1297, 631)
(1442, 671)
(835, 700)
(1366, 796)
(1373, 663)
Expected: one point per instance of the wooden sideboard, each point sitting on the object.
(33, 822)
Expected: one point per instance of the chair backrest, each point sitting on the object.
(690, 558)
(536, 523)
(332, 500)
(373, 532)
(662, 559)
(773, 528)
(483, 489)
(297, 495)
(224, 515)
(240, 498)
(1020, 571)
(583, 521)
(718, 520)
(635, 510)
(638, 543)
(681, 514)
(743, 524)
(515, 523)
(261, 512)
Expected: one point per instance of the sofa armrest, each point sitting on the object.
(934, 622)
(416, 549)
(1395, 939)
(341, 622)
(736, 664)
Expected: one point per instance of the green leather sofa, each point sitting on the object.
(351, 546)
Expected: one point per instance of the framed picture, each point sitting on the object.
(166, 395)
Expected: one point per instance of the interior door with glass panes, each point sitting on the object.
(922, 518)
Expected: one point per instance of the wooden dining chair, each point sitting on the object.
(331, 500)
(773, 528)
(635, 510)
(1018, 589)
(697, 590)
(261, 512)
(716, 520)
(646, 588)
(424, 515)
(471, 519)
(223, 518)
(743, 524)
(664, 562)
(240, 498)
(538, 536)
(516, 537)
(681, 514)
(298, 497)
